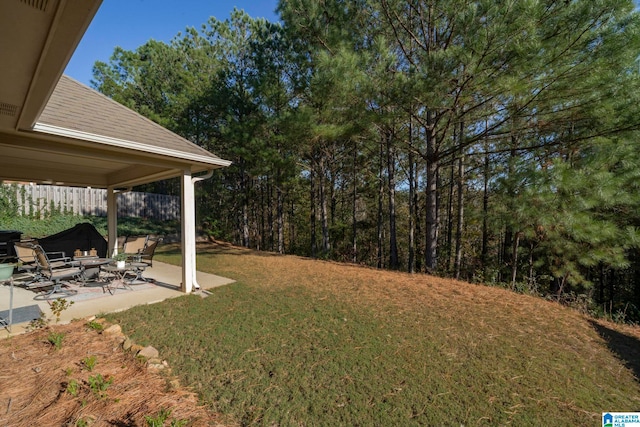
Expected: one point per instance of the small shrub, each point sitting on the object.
(99, 385)
(56, 338)
(38, 323)
(73, 388)
(162, 417)
(84, 421)
(96, 326)
(89, 362)
(60, 305)
(158, 420)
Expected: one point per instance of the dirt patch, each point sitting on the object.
(90, 380)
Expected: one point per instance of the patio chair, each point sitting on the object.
(26, 260)
(27, 264)
(146, 255)
(134, 245)
(53, 275)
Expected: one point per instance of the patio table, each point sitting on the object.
(138, 268)
(118, 274)
(90, 267)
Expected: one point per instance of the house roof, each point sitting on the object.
(77, 109)
(56, 130)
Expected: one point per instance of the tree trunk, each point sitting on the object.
(292, 231)
(280, 213)
(270, 219)
(563, 282)
(433, 169)
(449, 243)
(380, 204)
(514, 258)
(393, 242)
(532, 246)
(354, 207)
(484, 253)
(324, 215)
(313, 214)
(412, 212)
(431, 202)
(245, 211)
(254, 220)
(508, 233)
(260, 241)
(460, 221)
(418, 222)
(331, 222)
(602, 283)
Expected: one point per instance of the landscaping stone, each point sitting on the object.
(113, 330)
(156, 367)
(149, 352)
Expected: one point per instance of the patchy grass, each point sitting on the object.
(302, 342)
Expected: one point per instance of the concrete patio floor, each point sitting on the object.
(166, 284)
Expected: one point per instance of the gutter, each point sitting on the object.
(122, 143)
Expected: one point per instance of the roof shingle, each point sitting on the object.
(77, 107)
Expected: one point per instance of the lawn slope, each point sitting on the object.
(302, 342)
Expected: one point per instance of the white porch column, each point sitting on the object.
(188, 221)
(112, 221)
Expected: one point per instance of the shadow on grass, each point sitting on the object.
(626, 347)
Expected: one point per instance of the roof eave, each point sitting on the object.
(208, 162)
(71, 20)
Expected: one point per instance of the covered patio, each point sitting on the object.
(163, 285)
(55, 130)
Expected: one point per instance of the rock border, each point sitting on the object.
(149, 353)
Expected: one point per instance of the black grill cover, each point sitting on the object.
(83, 236)
(7, 237)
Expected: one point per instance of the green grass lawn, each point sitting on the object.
(302, 342)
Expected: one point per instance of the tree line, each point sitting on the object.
(491, 141)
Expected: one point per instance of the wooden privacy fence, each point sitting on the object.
(34, 199)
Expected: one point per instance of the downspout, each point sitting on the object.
(195, 179)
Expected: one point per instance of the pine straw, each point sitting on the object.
(34, 378)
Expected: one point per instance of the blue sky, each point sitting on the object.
(130, 23)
